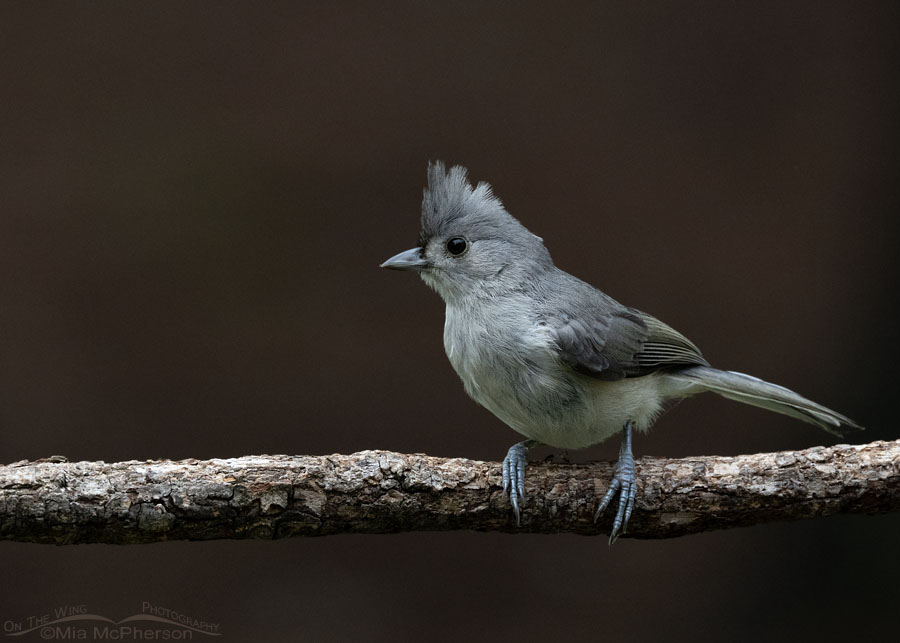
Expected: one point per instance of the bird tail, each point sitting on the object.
(751, 390)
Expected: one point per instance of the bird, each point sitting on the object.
(556, 359)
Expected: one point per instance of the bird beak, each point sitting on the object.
(412, 259)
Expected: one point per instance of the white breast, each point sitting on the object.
(508, 365)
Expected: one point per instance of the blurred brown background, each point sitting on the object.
(194, 201)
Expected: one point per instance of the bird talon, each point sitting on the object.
(514, 476)
(623, 484)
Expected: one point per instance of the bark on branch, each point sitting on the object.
(383, 492)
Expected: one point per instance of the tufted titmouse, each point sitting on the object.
(556, 359)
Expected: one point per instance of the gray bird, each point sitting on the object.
(557, 360)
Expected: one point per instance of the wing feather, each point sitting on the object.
(620, 342)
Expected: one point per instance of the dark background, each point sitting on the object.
(194, 201)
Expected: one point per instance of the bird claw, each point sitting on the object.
(514, 476)
(623, 483)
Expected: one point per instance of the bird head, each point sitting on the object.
(468, 242)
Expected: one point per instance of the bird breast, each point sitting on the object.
(508, 364)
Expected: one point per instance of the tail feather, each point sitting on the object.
(752, 390)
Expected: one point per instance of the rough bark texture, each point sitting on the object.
(382, 492)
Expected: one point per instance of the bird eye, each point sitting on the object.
(456, 246)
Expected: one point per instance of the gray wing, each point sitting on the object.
(620, 342)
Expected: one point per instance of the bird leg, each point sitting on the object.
(514, 473)
(624, 482)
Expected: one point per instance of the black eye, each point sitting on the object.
(456, 246)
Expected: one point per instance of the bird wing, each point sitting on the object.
(620, 342)
(665, 347)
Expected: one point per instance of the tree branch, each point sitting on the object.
(384, 492)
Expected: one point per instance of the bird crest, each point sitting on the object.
(450, 197)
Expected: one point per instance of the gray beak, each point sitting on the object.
(413, 259)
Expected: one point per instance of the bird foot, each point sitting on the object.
(514, 475)
(623, 483)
